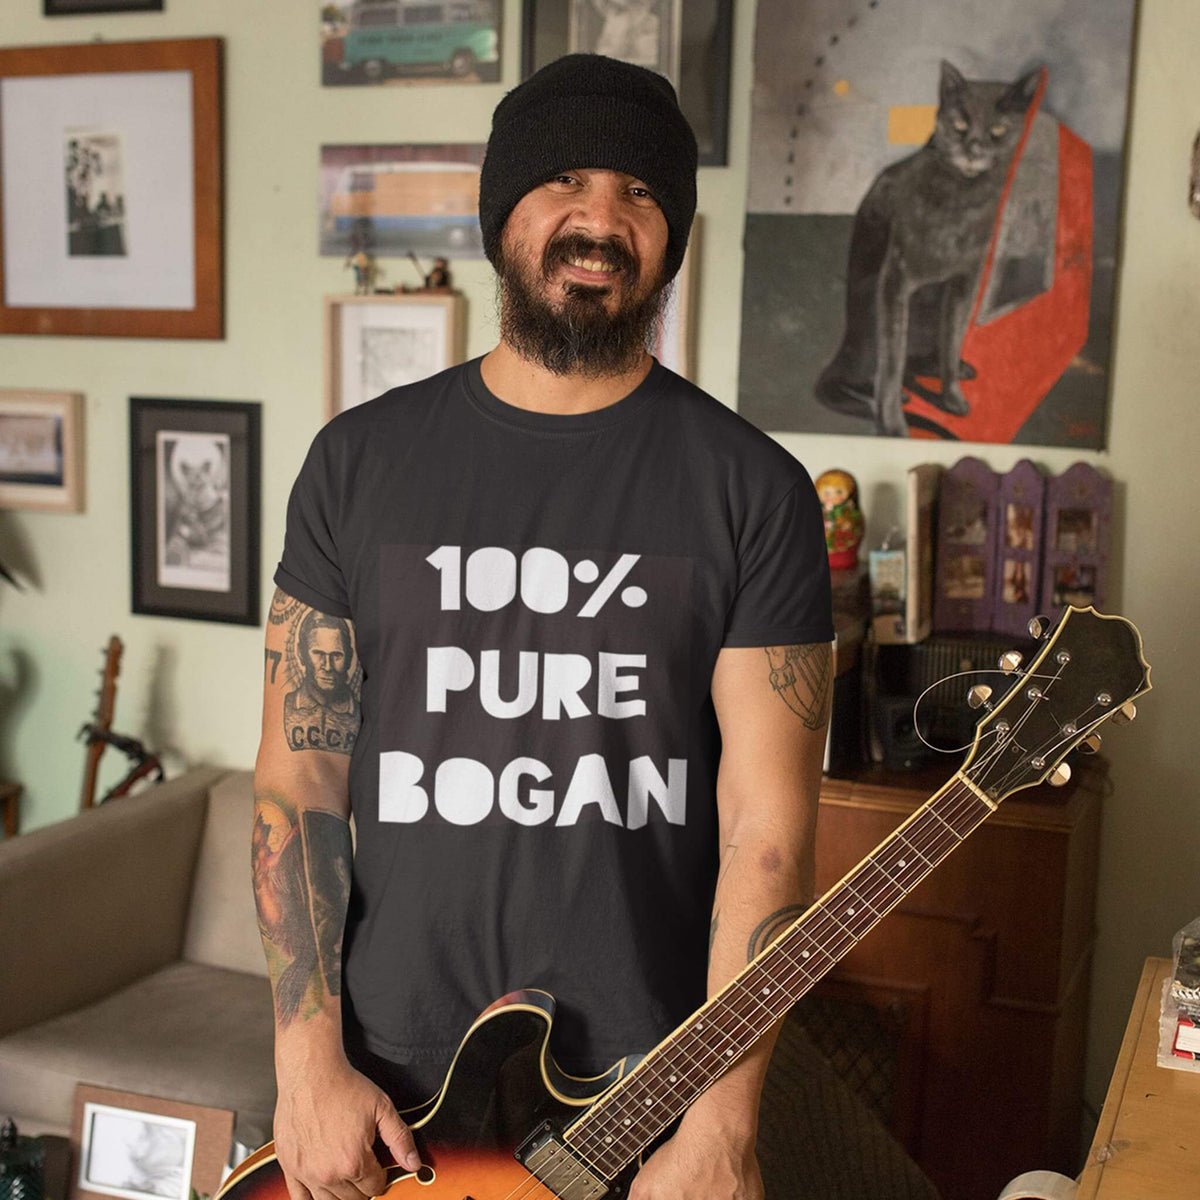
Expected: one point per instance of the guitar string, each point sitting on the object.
(960, 799)
(1047, 748)
(957, 795)
(956, 799)
(955, 811)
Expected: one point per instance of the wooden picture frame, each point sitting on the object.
(41, 450)
(675, 339)
(98, 143)
(108, 1129)
(1077, 539)
(701, 36)
(966, 548)
(194, 492)
(374, 343)
(82, 8)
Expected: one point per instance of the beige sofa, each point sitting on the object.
(130, 956)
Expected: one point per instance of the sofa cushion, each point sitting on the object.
(222, 924)
(187, 1032)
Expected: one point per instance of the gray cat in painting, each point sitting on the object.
(917, 250)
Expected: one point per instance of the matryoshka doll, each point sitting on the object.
(843, 522)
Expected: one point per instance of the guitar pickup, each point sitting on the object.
(552, 1162)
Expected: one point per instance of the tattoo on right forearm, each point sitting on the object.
(771, 927)
(301, 871)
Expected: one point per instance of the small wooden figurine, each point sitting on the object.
(843, 521)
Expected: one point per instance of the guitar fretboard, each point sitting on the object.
(612, 1132)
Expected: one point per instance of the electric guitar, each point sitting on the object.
(509, 1124)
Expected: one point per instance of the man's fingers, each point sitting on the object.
(296, 1190)
(396, 1135)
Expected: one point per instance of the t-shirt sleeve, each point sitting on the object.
(309, 568)
(783, 594)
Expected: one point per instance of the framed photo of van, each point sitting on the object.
(401, 200)
(372, 42)
(376, 343)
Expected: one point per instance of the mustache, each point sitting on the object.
(615, 255)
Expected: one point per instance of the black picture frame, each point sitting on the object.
(706, 39)
(221, 583)
(80, 8)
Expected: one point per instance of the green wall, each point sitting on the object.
(193, 688)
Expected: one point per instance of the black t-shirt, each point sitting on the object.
(539, 601)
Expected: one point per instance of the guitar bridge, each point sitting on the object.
(555, 1165)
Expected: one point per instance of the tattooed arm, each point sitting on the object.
(772, 704)
(327, 1114)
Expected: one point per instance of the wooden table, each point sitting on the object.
(1147, 1145)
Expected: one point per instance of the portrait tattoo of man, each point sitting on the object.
(322, 712)
(801, 675)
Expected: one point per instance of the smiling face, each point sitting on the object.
(580, 265)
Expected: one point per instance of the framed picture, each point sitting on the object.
(41, 450)
(371, 42)
(71, 8)
(194, 500)
(675, 340)
(688, 41)
(145, 1148)
(375, 343)
(401, 200)
(110, 189)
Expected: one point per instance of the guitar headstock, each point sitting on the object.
(106, 697)
(1088, 670)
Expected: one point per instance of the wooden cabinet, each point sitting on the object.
(990, 958)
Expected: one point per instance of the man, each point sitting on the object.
(592, 609)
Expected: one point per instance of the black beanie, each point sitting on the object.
(586, 110)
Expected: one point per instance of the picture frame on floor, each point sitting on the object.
(194, 508)
(111, 189)
(137, 1147)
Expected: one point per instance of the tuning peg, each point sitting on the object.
(979, 695)
(1059, 775)
(1090, 745)
(1010, 660)
(1125, 713)
(1037, 626)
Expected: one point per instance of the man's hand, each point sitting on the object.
(704, 1160)
(325, 1127)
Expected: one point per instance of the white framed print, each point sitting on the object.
(375, 343)
(41, 450)
(136, 1147)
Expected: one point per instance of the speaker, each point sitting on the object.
(902, 748)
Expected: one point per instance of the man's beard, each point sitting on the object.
(578, 335)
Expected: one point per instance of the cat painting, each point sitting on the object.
(917, 252)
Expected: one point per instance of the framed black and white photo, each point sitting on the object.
(74, 8)
(688, 41)
(41, 450)
(111, 188)
(138, 1147)
(194, 498)
(376, 343)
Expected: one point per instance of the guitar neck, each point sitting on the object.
(659, 1090)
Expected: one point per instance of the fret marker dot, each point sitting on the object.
(608, 1138)
(729, 1053)
(766, 991)
(649, 1101)
(672, 1078)
(849, 912)
(803, 953)
(901, 863)
(628, 1120)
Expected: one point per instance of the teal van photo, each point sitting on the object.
(380, 39)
